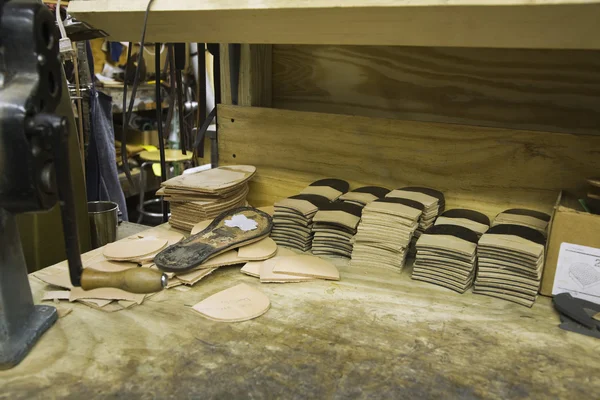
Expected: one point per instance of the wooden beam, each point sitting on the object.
(256, 75)
(254, 84)
(487, 169)
(462, 23)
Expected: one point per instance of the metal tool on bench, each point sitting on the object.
(35, 175)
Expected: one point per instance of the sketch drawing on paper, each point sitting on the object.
(584, 274)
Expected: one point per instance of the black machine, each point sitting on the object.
(34, 165)
(34, 171)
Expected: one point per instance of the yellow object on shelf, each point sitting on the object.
(171, 156)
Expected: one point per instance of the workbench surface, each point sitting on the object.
(374, 333)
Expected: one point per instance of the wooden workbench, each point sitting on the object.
(373, 333)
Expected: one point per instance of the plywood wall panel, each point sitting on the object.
(546, 90)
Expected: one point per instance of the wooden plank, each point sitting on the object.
(487, 169)
(424, 340)
(547, 90)
(225, 74)
(256, 75)
(254, 88)
(463, 23)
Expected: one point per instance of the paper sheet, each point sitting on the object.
(578, 272)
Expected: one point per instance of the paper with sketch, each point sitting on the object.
(578, 272)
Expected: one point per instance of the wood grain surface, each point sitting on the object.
(466, 23)
(485, 169)
(375, 333)
(254, 81)
(548, 90)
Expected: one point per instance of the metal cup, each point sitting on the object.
(103, 216)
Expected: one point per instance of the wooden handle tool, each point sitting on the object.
(134, 280)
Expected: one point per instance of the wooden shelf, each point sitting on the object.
(567, 24)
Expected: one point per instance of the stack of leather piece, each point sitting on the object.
(364, 195)
(447, 256)
(511, 259)
(204, 195)
(334, 227)
(473, 220)
(433, 201)
(384, 233)
(293, 220)
(521, 216)
(293, 216)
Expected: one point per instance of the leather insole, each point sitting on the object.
(215, 239)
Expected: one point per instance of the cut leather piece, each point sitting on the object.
(305, 204)
(529, 218)
(78, 293)
(128, 249)
(171, 236)
(460, 290)
(471, 215)
(192, 277)
(343, 214)
(252, 268)
(461, 273)
(431, 192)
(501, 284)
(473, 220)
(268, 276)
(284, 230)
(364, 195)
(329, 188)
(504, 296)
(238, 303)
(200, 226)
(217, 238)
(260, 250)
(306, 265)
(443, 281)
(183, 195)
(56, 295)
(329, 254)
(340, 230)
(506, 292)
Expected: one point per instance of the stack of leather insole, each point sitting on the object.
(204, 195)
(293, 220)
(334, 227)
(511, 259)
(433, 201)
(446, 256)
(384, 233)
(473, 220)
(364, 195)
(520, 216)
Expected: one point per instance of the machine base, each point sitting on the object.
(17, 346)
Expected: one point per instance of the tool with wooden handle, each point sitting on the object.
(134, 280)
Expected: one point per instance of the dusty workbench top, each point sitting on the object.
(373, 333)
